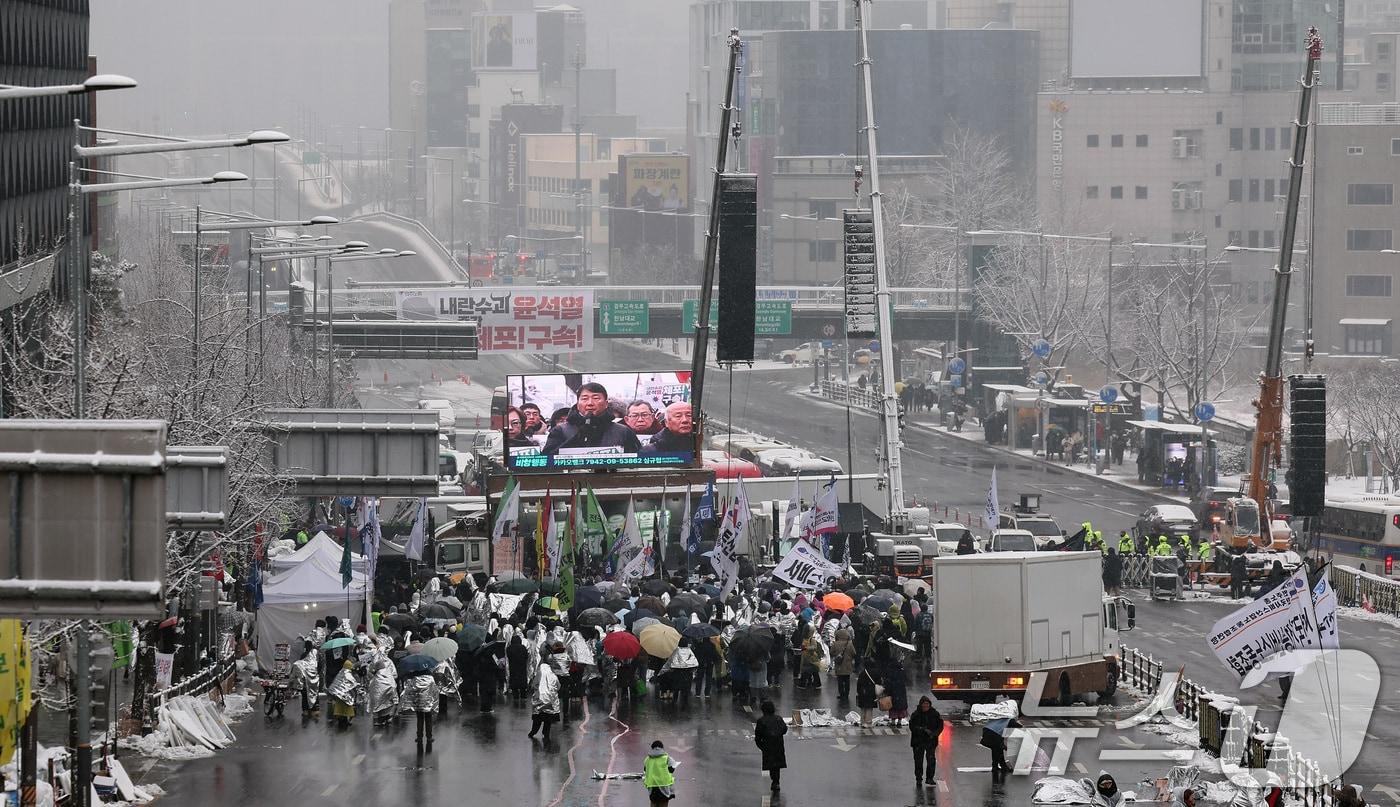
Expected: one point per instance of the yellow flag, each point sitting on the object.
(15, 697)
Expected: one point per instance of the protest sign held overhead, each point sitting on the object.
(804, 567)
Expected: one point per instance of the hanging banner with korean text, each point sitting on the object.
(511, 320)
(804, 567)
(1280, 621)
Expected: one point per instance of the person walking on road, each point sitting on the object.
(659, 774)
(518, 670)
(544, 701)
(994, 738)
(843, 659)
(925, 727)
(896, 690)
(1239, 576)
(768, 736)
(420, 695)
(867, 697)
(1112, 572)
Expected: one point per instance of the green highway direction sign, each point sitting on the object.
(771, 318)
(624, 317)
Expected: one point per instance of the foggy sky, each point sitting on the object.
(209, 68)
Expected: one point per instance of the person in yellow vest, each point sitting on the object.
(1098, 541)
(1163, 549)
(1126, 546)
(659, 775)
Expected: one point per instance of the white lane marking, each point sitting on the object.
(358, 759)
(1079, 766)
(330, 789)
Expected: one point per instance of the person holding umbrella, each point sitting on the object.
(420, 694)
(768, 736)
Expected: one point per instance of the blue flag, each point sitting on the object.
(704, 514)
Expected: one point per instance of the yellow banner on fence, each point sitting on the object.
(15, 697)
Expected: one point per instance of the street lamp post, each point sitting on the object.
(105, 81)
(452, 207)
(331, 261)
(296, 252)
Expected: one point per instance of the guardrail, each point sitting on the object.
(1361, 589)
(1229, 731)
(841, 392)
(203, 681)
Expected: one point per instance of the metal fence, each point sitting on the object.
(1361, 589)
(841, 392)
(207, 679)
(1230, 732)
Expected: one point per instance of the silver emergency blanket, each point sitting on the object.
(420, 694)
(344, 686)
(579, 651)
(544, 697)
(682, 659)
(306, 675)
(1001, 710)
(1059, 790)
(449, 681)
(382, 684)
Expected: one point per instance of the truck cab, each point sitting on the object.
(907, 556)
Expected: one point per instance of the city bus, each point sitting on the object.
(1361, 532)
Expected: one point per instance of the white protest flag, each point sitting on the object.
(993, 505)
(507, 510)
(686, 526)
(804, 526)
(630, 536)
(413, 550)
(1278, 622)
(553, 546)
(794, 508)
(1324, 601)
(824, 514)
(725, 556)
(805, 568)
(636, 568)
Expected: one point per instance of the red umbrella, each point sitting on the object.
(837, 601)
(621, 645)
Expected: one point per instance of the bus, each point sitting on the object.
(1364, 531)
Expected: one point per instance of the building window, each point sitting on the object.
(1140, 192)
(1116, 141)
(1235, 237)
(1383, 82)
(1370, 193)
(1217, 169)
(1268, 190)
(1254, 190)
(1219, 117)
(1267, 239)
(1115, 192)
(1383, 51)
(1355, 151)
(1091, 192)
(1285, 137)
(1217, 221)
(1367, 338)
(1368, 285)
(1368, 240)
(1237, 139)
(1142, 141)
(1269, 139)
(1253, 238)
(1236, 190)
(1091, 141)
(1395, 146)
(821, 251)
(1254, 139)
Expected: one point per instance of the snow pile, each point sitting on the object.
(237, 705)
(126, 790)
(1174, 734)
(1361, 614)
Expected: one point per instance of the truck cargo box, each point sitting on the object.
(1031, 610)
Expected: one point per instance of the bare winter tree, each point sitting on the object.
(1178, 333)
(1364, 404)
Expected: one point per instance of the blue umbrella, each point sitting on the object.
(416, 664)
(339, 641)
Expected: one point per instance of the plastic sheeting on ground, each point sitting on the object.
(189, 727)
(1002, 710)
(1059, 790)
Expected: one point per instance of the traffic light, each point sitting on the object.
(1308, 348)
(1389, 563)
(1308, 444)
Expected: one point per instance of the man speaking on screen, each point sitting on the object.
(676, 437)
(590, 424)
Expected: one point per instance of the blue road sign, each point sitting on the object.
(1041, 348)
(827, 344)
(957, 365)
(955, 380)
(1108, 394)
(1205, 411)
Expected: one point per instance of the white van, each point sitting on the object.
(447, 416)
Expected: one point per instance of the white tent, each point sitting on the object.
(310, 589)
(316, 546)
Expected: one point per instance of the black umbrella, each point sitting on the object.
(750, 644)
(698, 631)
(438, 610)
(857, 594)
(680, 623)
(657, 587)
(596, 617)
(773, 585)
(690, 598)
(685, 609)
(707, 589)
(636, 614)
(401, 622)
(614, 605)
(495, 647)
(416, 664)
(586, 597)
(864, 615)
(470, 637)
(651, 603)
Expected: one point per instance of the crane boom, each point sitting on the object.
(1267, 450)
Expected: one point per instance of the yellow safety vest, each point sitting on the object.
(658, 772)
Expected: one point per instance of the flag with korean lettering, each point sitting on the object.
(725, 556)
(686, 526)
(529, 320)
(628, 538)
(641, 565)
(825, 513)
(804, 567)
(704, 514)
(1280, 621)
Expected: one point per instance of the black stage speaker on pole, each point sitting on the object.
(738, 266)
(1307, 486)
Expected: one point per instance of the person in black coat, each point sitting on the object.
(866, 697)
(965, 544)
(1112, 571)
(488, 675)
(517, 670)
(590, 423)
(768, 736)
(1239, 576)
(925, 727)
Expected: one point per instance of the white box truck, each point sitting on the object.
(1000, 617)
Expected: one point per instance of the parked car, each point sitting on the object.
(1171, 520)
(795, 462)
(805, 353)
(748, 447)
(1042, 526)
(948, 534)
(1208, 505)
(1011, 541)
(727, 467)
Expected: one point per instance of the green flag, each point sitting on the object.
(566, 557)
(595, 526)
(346, 567)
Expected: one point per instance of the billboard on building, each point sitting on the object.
(510, 320)
(656, 181)
(506, 41)
(1136, 38)
(601, 420)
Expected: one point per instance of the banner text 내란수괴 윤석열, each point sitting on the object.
(512, 320)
